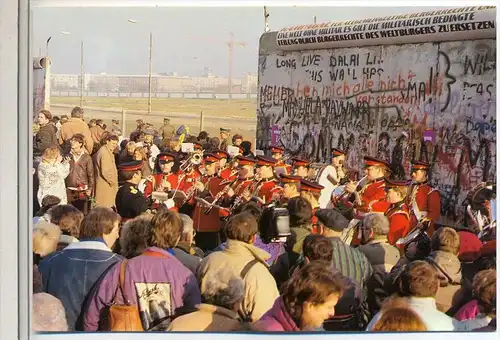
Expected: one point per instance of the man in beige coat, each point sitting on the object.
(106, 174)
(76, 125)
(246, 261)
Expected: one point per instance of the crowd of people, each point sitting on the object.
(166, 231)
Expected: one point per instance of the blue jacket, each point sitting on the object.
(71, 273)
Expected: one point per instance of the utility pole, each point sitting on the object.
(150, 69)
(81, 75)
(266, 23)
(47, 45)
(231, 45)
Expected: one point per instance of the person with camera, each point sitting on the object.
(245, 261)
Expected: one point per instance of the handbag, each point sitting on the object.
(124, 317)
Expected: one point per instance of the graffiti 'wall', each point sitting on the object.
(434, 102)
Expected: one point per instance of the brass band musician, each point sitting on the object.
(424, 201)
(278, 153)
(301, 167)
(208, 225)
(268, 186)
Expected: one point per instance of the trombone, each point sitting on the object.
(195, 158)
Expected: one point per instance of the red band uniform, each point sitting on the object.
(161, 178)
(424, 201)
(208, 226)
(397, 214)
(298, 163)
(313, 188)
(268, 187)
(239, 184)
(277, 153)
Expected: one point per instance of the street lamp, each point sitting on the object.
(81, 69)
(133, 21)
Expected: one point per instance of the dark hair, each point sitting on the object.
(446, 239)
(134, 236)
(317, 248)
(124, 176)
(98, 222)
(68, 218)
(235, 137)
(166, 229)
(215, 141)
(247, 147)
(300, 211)
(313, 283)
(250, 207)
(99, 121)
(109, 137)
(77, 112)
(79, 138)
(46, 113)
(418, 279)
(203, 136)
(484, 288)
(92, 121)
(242, 227)
(50, 201)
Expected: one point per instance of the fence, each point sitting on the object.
(186, 95)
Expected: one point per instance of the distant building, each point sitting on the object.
(160, 83)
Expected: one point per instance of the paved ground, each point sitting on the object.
(243, 126)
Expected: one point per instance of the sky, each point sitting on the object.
(185, 39)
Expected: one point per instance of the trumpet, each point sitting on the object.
(195, 158)
(346, 194)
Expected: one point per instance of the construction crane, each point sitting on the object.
(231, 45)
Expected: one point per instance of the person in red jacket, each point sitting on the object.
(268, 186)
(372, 195)
(397, 213)
(311, 191)
(301, 167)
(277, 153)
(424, 201)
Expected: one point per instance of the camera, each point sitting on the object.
(274, 224)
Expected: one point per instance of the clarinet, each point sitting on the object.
(219, 196)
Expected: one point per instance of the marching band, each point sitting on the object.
(210, 186)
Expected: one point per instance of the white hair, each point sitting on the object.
(187, 225)
(48, 314)
(378, 223)
(223, 288)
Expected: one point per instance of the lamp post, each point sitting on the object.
(150, 68)
(82, 83)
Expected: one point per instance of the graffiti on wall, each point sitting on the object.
(432, 101)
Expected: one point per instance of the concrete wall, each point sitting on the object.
(429, 101)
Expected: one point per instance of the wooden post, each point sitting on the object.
(124, 123)
(201, 121)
